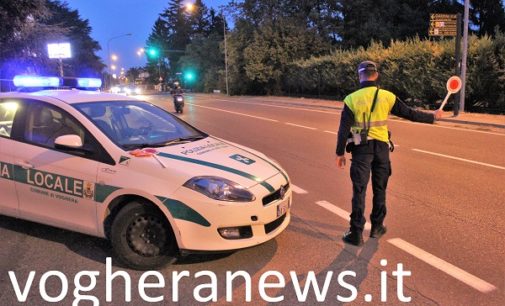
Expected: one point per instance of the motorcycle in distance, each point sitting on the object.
(178, 103)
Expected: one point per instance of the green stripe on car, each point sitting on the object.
(220, 167)
(103, 191)
(182, 211)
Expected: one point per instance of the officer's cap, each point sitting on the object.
(367, 66)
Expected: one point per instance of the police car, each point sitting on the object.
(123, 169)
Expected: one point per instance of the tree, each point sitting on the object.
(27, 27)
(84, 61)
(487, 16)
(178, 32)
(156, 45)
(23, 36)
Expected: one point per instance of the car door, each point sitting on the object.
(8, 198)
(55, 186)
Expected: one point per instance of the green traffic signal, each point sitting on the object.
(152, 52)
(189, 76)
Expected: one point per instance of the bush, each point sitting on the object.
(415, 70)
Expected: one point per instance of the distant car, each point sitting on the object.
(129, 90)
(123, 169)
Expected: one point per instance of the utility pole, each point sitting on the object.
(225, 55)
(465, 55)
(458, 62)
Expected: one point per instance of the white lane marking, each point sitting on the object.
(444, 266)
(460, 159)
(392, 119)
(298, 190)
(396, 120)
(278, 106)
(301, 126)
(339, 212)
(236, 113)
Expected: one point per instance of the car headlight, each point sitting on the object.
(138, 91)
(220, 189)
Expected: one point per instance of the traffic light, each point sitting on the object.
(189, 76)
(152, 52)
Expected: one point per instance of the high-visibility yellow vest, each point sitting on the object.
(360, 103)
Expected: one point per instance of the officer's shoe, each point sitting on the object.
(353, 237)
(377, 231)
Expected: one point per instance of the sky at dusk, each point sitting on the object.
(111, 18)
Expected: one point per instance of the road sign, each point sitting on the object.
(443, 25)
(453, 86)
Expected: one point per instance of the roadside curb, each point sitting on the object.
(487, 124)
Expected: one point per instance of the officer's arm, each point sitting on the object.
(346, 121)
(401, 109)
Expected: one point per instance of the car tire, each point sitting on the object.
(142, 238)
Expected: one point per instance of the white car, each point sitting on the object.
(122, 169)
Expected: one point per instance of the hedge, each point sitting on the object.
(415, 70)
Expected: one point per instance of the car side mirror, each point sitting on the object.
(68, 142)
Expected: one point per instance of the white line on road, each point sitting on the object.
(444, 266)
(336, 112)
(392, 119)
(236, 113)
(301, 126)
(298, 190)
(330, 132)
(460, 159)
(338, 211)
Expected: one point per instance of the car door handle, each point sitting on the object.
(24, 165)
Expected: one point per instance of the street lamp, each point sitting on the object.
(108, 50)
(190, 7)
(113, 57)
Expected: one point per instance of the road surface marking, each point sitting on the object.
(236, 113)
(298, 190)
(301, 126)
(460, 159)
(336, 113)
(286, 107)
(339, 212)
(444, 266)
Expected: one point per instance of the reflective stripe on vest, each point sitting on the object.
(360, 103)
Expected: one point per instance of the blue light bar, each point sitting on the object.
(35, 81)
(89, 82)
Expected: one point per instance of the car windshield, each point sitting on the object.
(135, 124)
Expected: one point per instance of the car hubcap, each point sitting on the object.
(147, 236)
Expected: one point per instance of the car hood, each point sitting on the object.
(215, 157)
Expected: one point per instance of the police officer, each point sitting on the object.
(365, 117)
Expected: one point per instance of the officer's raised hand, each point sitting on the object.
(438, 114)
(340, 161)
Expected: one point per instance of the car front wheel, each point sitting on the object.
(142, 238)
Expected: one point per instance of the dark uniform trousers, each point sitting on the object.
(374, 157)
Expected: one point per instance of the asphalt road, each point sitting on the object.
(445, 216)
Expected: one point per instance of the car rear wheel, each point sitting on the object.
(142, 238)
